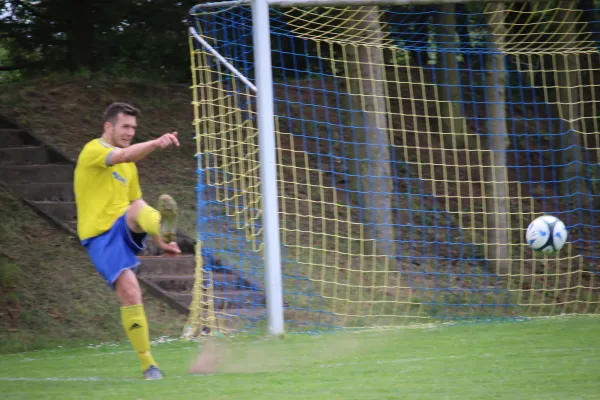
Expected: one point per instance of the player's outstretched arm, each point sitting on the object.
(139, 151)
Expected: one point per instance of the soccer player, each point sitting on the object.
(113, 219)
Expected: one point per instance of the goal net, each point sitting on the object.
(414, 146)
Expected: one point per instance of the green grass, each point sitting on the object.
(543, 359)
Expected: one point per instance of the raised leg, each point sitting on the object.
(160, 226)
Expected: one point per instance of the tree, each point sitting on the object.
(127, 37)
(570, 176)
(495, 171)
(454, 125)
(369, 150)
(63, 32)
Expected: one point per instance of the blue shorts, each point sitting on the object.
(115, 250)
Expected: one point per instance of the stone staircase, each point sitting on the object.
(42, 175)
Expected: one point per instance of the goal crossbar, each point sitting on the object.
(348, 3)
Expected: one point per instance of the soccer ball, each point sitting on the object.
(546, 234)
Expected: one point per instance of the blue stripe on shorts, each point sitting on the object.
(115, 250)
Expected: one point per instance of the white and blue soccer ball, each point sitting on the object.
(546, 234)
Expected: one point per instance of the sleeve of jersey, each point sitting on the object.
(96, 155)
(135, 192)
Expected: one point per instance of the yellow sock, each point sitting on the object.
(136, 326)
(149, 219)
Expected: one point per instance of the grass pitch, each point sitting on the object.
(544, 359)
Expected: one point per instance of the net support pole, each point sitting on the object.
(268, 170)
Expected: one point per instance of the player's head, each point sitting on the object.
(120, 122)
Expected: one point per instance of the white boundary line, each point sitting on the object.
(57, 379)
(450, 357)
(112, 353)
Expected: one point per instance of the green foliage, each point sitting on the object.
(140, 38)
(124, 38)
(5, 58)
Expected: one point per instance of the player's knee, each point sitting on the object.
(128, 289)
(132, 214)
(130, 296)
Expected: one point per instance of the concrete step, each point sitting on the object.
(173, 283)
(185, 283)
(46, 191)
(26, 155)
(62, 210)
(7, 124)
(250, 312)
(167, 265)
(50, 173)
(10, 138)
(229, 299)
(233, 319)
(238, 299)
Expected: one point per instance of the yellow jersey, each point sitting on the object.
(102, 192)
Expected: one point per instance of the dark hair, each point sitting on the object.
(112, 111)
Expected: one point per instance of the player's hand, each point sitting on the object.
(171, 247)
(168, 140)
